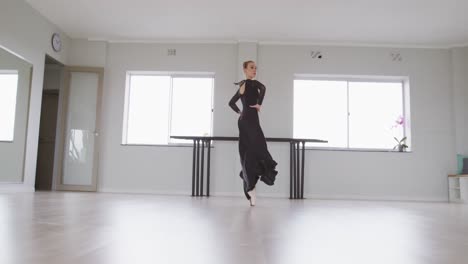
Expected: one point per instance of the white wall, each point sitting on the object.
(419, 175)
(87, 53)
(26, 33)
(460, 97)
(161, 169)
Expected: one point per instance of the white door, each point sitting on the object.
(80, 129)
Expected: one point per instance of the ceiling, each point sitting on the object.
(361, 22)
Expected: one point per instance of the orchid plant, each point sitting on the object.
(401, 146)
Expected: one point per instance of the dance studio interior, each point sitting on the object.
(233, 132)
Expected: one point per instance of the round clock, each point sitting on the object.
(56, 42)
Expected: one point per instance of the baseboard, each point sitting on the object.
(126, 191)
(285, 196)
(340, 197)
(376, 198)
(22, 188)
(189, 193)
(16, 188)
(241, 194)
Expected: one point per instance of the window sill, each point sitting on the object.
(357, 150)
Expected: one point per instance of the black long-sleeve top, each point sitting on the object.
(254, 93)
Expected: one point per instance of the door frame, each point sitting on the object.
(63, 121)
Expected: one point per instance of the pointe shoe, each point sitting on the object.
(252, 197)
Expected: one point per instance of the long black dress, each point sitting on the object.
(255, 159)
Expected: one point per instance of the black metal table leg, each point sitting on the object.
(290, 169)
(295, 170)
(193, 168)
(302, 172)
(202, 166)
(198, 169)
(208, 169)
(298, 180)
(296, 164)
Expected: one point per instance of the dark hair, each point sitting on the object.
(246, 63)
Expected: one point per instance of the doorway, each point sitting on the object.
(53, 83)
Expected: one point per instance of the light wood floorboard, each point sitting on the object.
(67, 227)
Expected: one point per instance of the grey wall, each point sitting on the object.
(438, 113)
(87, 53)
(149, 168)
(419, 175)
(26, 33)
(460, 98)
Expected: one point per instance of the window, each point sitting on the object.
(158, 106)
(355, 114)
(9, 90)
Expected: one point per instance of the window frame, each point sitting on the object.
(404, 80)
(10, 72)
(171, 75)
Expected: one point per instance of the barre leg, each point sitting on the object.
(302, 172)
(290, 170)
(298, 182)
(295, 171)
(202, 166)
(198, 168)
(208, 170)
(193, 169)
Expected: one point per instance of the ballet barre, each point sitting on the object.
(296, 162)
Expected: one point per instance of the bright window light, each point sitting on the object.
(191, 107)
(9, 90)
(320, 112)
(158, 106)
(349, 114)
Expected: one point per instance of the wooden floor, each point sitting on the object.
(71, 228)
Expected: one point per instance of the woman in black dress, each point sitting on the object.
(256, 161)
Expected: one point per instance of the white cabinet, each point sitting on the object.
(458, 188)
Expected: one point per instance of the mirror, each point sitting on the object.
(15, 89)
